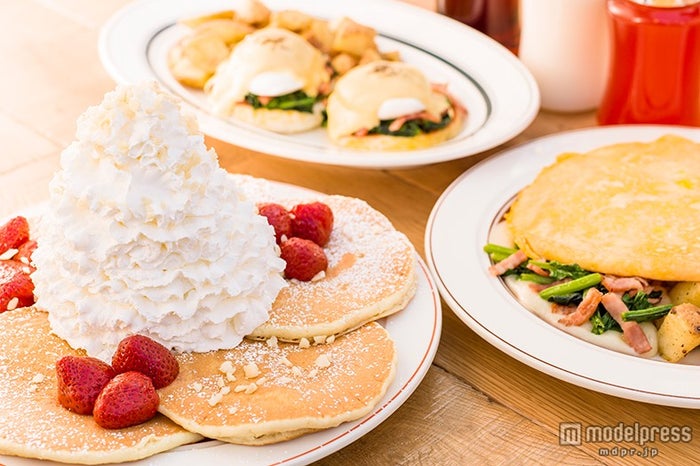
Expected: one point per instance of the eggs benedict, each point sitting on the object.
(387, 105)
(273, 79)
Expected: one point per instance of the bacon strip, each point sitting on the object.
(585, 308)
(510, 262)
(424, 115)
(622, 284)
(537, 270)
(632, 332)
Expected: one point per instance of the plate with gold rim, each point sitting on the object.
(499, 93)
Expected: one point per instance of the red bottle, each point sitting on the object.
(654, 74)
(496, 18)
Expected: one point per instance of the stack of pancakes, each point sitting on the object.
(320, 360)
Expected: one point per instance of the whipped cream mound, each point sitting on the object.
(145, 233)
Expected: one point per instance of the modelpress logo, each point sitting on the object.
(575, 434)
(570, 433)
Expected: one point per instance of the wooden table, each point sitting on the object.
(476, 404)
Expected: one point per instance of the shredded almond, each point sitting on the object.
(251, 370)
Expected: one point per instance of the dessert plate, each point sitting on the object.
(416, 333)
(457, 230)
(499, 93)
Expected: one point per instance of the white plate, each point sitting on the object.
(499, 92)
(458, 229)
(416, 334)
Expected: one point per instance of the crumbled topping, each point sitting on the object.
(261, 380)
(220, 381)
(330, 339)
(286, 361)
(304, 343)
(251, 370)
(252, 387)
(296, 370)
(272, 342)
(319, 339)
(227, 367)
(313, 372)
(215, 399)
(38, 378)
(12, 304)
(319, 276)
(322, 361)
(197, 387)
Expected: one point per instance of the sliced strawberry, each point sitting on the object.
(305, 259)
(127, 400)
(142, 354)
(278, 217)
(25, 251)
(13, 233)
(16, 288)
(313, 221)
(80, 381)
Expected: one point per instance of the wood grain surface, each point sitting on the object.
(476, 405)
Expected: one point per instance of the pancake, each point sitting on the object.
(296, 390)
(630, 209)
(33, 424)
(371, 270)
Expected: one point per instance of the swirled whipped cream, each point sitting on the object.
(145, 233)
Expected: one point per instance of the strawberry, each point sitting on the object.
(312, 221)
(127, 400)
(13, 233)
(25, 251)
(142, 354)
(278, 217)
(80, 380)
(15, 283)
(304, 258)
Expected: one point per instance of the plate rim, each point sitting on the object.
(496, 336)
(500, 126)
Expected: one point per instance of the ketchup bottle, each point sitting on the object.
(654, 73)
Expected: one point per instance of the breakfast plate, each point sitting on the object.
(416, 334)
(459, 227)
(499, 93)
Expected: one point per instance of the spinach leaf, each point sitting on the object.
(411, 127)
(297, 100)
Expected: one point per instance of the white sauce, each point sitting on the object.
(274, 83)
(543, 309)
(398, 107)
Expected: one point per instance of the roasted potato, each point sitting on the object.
(195, 21)
(369, 56)
(343, 62)
(679, 332)
(253, 12)
(319, 34)
(392, 55)
(685, 292)
(352, 37)
(230, 31)
(194, 59)
(293, 20)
